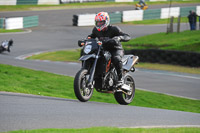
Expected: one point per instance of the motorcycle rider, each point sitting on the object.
(5, 45)
(103, 30)
(142, 3)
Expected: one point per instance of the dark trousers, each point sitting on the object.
(192, 26)
(117, 61)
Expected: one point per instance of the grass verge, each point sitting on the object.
(73, 56)
(183, 41)
(21, 80)
(63, 55)
(113, 130)
(10, 31)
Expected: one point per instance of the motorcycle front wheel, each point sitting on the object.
(82, 92)
(126, 98)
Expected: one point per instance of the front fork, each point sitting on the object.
(92, 71)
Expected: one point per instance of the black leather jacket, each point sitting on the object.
(112, 32)
(192, 18)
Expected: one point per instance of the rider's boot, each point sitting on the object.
(8, 49)
(120, 81)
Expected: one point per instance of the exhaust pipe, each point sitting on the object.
(135, 60)
(126, 87)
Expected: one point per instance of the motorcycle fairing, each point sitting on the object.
(86, 57)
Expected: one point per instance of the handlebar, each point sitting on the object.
(104, 40)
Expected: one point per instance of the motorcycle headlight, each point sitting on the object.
(87, 49)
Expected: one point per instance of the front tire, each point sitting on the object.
(82, 92)
(123, 98)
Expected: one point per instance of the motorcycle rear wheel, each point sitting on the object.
(82, 92)
(123, 98)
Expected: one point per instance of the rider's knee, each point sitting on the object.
(117, 59)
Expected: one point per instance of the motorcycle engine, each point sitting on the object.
(111, 82)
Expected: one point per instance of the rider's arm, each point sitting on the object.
(122, 37)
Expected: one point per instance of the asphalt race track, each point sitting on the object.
(34, 112)
(55, 31)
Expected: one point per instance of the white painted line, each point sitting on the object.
(23, 57)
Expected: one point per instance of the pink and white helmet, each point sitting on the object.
(102, 21)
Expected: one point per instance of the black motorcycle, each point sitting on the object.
(99, 72)
(5, 45)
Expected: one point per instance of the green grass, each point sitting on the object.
(63, 55)
(113, 130)
(183, 41)
(83, 5)
(10, 31)
(21, 80)
(157, 21)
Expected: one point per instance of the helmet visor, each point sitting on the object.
(100, 23)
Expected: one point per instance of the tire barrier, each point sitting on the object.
(169, 12)
(88, 19)
(18, 22)
(29, 2)
(167, 57)
(2, 23)
(136, 15)
(132, 15)
(83, 20)
(115, 17)
(151, 14)
(56, 2)
(163, 13)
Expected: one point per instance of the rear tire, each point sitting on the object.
(123, 98)
(82, 92)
